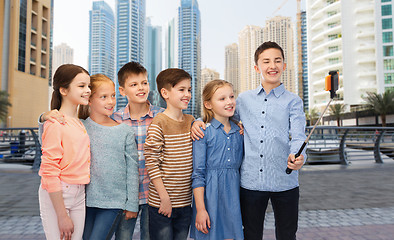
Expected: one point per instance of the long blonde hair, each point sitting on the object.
(95, 82)
(210, 89)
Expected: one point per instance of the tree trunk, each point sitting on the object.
(338, 122)
(383, 116)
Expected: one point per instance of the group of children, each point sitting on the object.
(142, 158)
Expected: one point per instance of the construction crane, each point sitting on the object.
(284, 2)
(280, 6)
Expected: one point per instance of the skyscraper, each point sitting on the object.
(345, 41)
(102, 40)
(25, 64)
(384, 45)
(280, 30)
(304, 62)
(171, 44)
(153, 62)
(249, 39)
(189, 49)
(130, 26)
(62, 54)
(231, 66)
(153, 52)
(207, 75)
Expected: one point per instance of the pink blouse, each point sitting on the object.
(65, 154)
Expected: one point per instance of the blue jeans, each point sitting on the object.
(175, 227)
(125, 229)
(101, 223)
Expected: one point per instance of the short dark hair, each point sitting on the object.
(265, 46)
(170, 77)
(129, 69)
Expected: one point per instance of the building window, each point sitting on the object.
(388, 51)
(387, 37)
(333, 36)
(332, 49)
(331, 13)
(388, 64)
(389, 78)
(334, 24)
(386, 1)
(22, 36)
(387, 23)
(331, 1)
(386, 10)
(333, 60)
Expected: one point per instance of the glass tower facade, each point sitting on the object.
(304, 61)
(102, 40)
(130, 26)
(386, 7)
(189, 50)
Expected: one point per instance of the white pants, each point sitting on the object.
(74, 201)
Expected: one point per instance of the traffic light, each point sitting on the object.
(332, 83)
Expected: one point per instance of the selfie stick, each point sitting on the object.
(332, 86)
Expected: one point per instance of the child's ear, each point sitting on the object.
(207, 105)
(121, 91)
(164, 93)
(63, 91)
(256, 68)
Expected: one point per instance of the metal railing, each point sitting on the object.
(328, 144)
(20, 145)
(345, 144)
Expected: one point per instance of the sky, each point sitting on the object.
(221, 21)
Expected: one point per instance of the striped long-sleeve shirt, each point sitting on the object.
(168, 154)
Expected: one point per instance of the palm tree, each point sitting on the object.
(4, 104)
(337, 110)
(312, 115)
(382, 104)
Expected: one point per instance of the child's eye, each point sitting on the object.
(145, 83)
(231, 96)
(113, 95)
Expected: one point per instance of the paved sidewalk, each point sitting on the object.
(337, 203)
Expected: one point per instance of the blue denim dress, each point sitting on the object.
(216, 162)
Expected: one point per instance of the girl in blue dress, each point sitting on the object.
(216, 161)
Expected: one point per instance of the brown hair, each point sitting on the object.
(170, 77)
(95, 82)
(265, 46)
(208, 92)
(130, 69)
(63, 77)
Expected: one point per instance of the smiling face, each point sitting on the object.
(78, 91)
(270, 66)
(136, 88)
(178, 96)
(222, 103)
(103, 99)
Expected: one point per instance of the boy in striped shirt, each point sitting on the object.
(168, 154)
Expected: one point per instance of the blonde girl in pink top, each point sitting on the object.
(65, 158)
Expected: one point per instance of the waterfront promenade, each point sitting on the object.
(337, 203)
